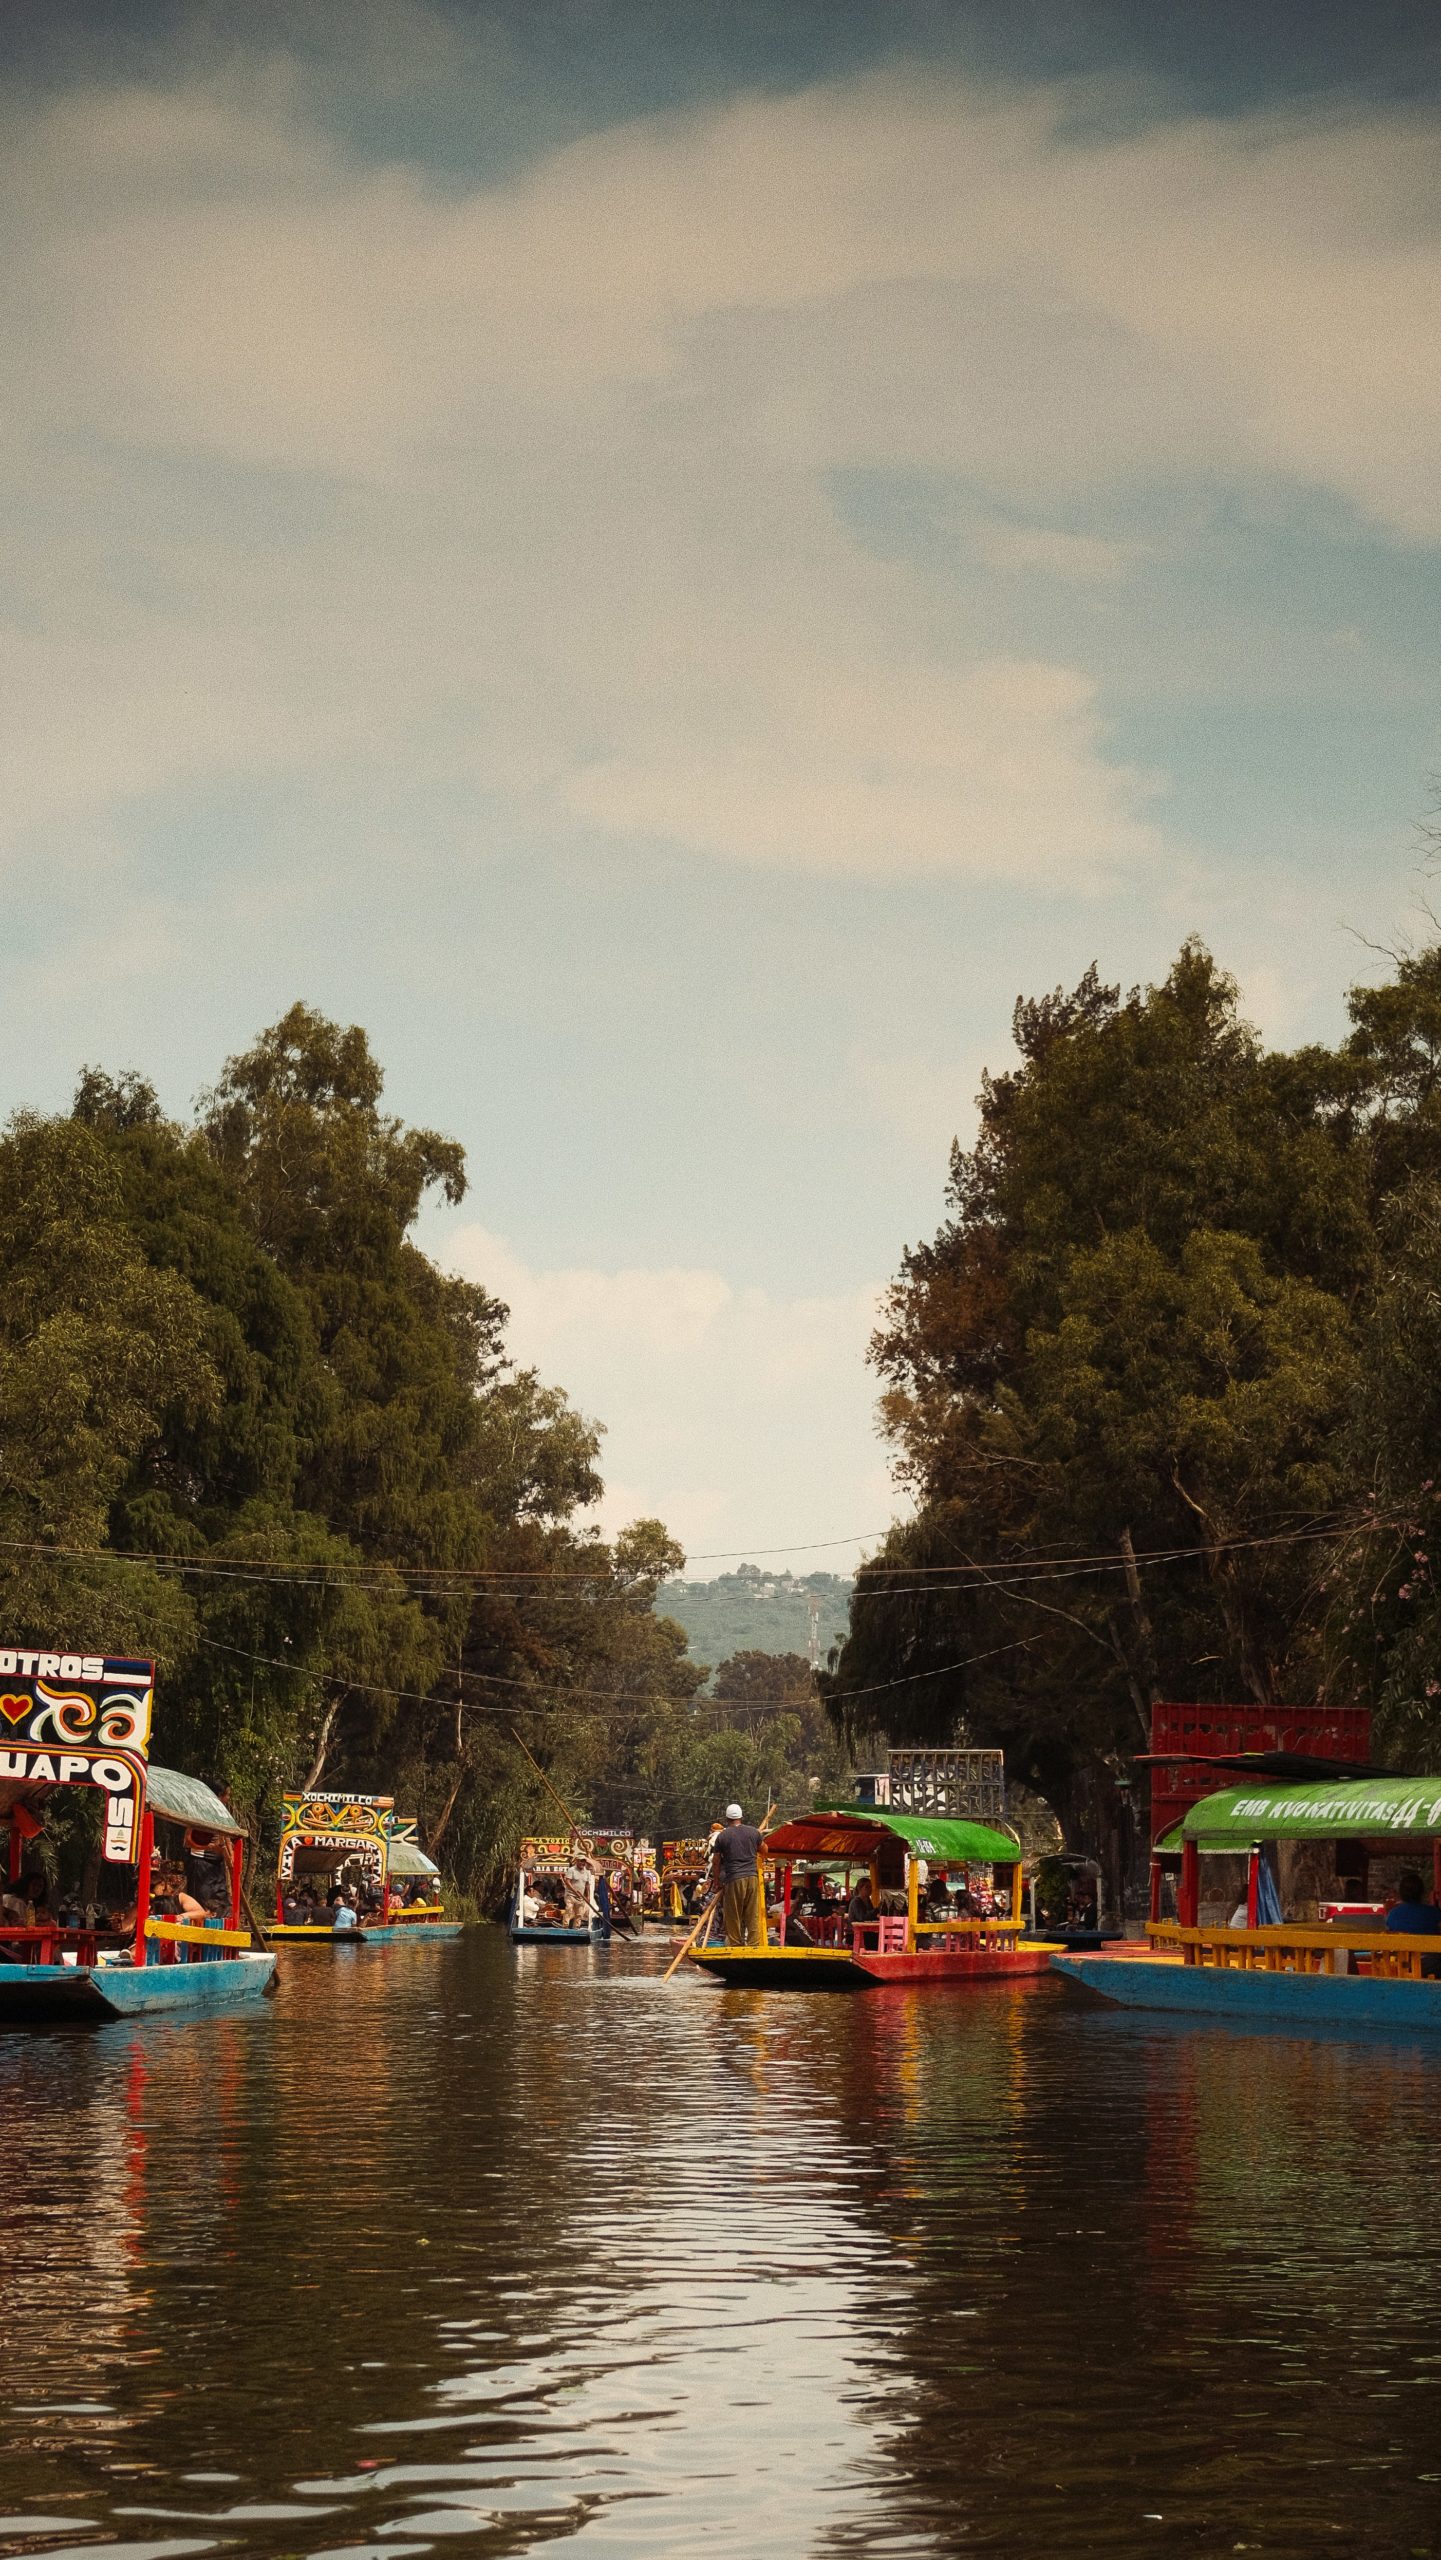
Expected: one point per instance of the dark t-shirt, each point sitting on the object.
(1415, 1920)
(737, 1847)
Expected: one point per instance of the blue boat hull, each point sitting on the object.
(294, 1934)
(1299, 1999)
(527, 1937)
(35, 1994)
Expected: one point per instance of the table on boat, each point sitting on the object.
(47, 1941)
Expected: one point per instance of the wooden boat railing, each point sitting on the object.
(886, 1934)
(177, 1937)
(47, 1943)
(1299, 1948)
(981, 1933)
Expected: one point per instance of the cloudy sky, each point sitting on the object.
(670, 560)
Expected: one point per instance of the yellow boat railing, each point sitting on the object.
(191, 1933)
(1298, 1948)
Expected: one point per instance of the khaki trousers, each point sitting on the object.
(743, 1915)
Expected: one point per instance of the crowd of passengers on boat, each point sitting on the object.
(193, 1887)
(349, 1906)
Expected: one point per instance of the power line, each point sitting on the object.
(489, 1581)
(942, 1669)
(564, 1694)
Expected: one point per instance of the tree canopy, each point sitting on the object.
(249, 1426)
(1143, 1383)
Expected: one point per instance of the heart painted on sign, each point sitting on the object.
(12, 1709)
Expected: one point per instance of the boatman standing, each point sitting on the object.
(735, 1875)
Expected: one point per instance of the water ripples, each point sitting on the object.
(468, 2248)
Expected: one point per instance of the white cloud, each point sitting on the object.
(1023, 548)
(744, 1420)
(993, 769)
(547, 511)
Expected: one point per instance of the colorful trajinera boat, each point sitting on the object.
(1352, 1969)
(123, 1943)
(684, 1866)
(911, 1860)
(580, 1886)
(351, 1872)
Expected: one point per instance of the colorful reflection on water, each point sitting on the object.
(500, 2250)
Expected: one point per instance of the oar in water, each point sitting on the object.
(703, 1922)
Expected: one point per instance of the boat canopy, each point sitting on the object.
(406, 1859)
(189, 1800)
(1368, 1808)
(855, 1831)
(167, 1792)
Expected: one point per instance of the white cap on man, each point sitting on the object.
(734, 1813)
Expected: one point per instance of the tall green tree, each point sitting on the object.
(98, 1352)
(371, 1522)
(1130, 1338)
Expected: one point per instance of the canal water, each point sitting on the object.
(494, 2251)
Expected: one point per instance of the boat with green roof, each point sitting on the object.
(919, 1932)
(1375, 1964)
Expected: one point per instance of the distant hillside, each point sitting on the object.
(755, 1611)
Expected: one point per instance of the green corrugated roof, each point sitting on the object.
(1344, 1809)
(183, 1799)
(931, 1835)
(405, 1859)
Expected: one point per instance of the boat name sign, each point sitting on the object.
(69, 1719)
(1368, 1812)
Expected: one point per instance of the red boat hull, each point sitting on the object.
(846, 1969)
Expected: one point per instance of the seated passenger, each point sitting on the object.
(860, 1908)
(344, 1917)
(795, 1932)
(1411, 1915)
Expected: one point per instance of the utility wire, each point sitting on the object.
(486, 1581)
(607, 1697)
(942, 1669)
(563, 1696)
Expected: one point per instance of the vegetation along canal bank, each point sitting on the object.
(584, 2246)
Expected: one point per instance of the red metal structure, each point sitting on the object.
(1192, 1748)
(1186, 1741)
